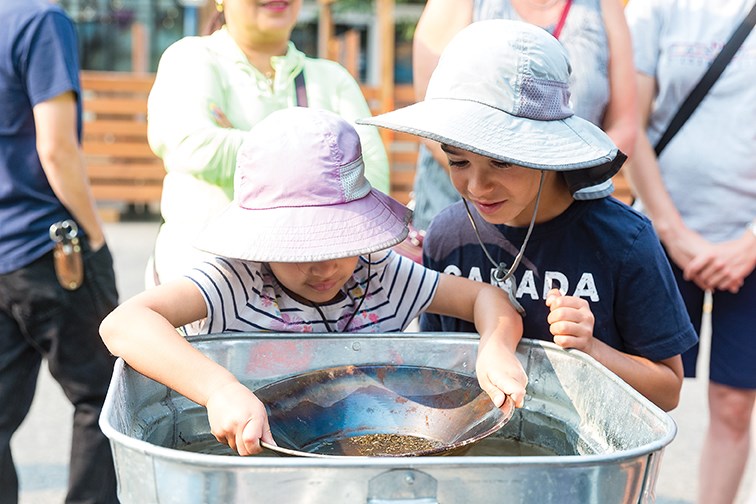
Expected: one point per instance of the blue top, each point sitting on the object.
(38, 61)
(600, 250)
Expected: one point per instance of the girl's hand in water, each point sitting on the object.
(238, 419)
(500, 373)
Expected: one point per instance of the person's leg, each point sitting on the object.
(84, 368)
(19, 368)
(68, 335)
(727, 442)
(732, 391)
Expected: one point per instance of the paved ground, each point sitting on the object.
(41, 445)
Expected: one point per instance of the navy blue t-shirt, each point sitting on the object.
(38, 61)
(602, 251)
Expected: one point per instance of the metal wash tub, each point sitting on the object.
(602, 441)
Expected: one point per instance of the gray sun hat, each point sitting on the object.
(500, 90)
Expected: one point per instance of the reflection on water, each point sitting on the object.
(210, 446)
(489, 447)
(504, 447)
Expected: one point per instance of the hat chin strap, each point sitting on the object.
(317, 307)
(356, 310)
(502, 274)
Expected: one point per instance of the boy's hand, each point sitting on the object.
(570, 321)
(500, 373)
(238, 419)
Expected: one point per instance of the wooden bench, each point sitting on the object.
(121, 166)
(401, 148)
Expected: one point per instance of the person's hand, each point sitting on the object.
(219, 117)
(683, 245)
(96, 243)
(723, 266)
(500, 373)
(238, 419)
(570, 321)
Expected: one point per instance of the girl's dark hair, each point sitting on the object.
(216, 21)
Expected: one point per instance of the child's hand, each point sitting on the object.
(500, 373)
(570, 321)
(238, 419)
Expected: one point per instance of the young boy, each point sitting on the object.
(594, 277)
(301, 249)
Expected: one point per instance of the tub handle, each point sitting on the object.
(402, 486)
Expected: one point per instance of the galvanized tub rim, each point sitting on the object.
(201, 459)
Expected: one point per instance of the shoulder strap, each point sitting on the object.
(299, 83)
(708, 79)
(562, 19)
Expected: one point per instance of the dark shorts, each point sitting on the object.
(733, 328)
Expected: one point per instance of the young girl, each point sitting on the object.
(301, 249)
(594, 277)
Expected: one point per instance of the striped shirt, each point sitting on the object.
(245, 296)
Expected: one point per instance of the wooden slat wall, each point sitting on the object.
(401, 148)
(120, 163)
(122, 167)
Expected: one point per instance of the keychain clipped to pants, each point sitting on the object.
(69, 266)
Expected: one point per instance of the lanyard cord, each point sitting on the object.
(562, 19)
(323, 317)
(502, 274)
(359, 305)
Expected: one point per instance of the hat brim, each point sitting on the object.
(307, 234)
(559, 145)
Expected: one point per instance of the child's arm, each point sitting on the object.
(571, 323)
(500, 327)
(142, 332)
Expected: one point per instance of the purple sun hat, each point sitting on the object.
(300, 195)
